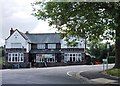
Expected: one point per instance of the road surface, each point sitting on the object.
(47, 75)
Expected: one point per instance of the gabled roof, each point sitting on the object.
(40, 38)
(22, 34)
(25, 36)
(44, 38)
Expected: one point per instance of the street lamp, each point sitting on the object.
(108, 47)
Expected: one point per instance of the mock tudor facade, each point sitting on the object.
(25, 48)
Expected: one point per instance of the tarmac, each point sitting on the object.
(96, 77)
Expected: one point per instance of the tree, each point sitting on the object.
(2, 51)
(100, 50)
(91, 20)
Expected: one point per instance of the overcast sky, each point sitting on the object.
(17, 14)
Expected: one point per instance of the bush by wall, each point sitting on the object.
(98, 59)
(111, 59)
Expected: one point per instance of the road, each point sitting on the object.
(50, 75)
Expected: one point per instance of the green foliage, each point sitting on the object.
(82, 19)
(2, 51)
(98, 59)
(0, 60)
(94, 21)
(113, 72)
(111, 59)
(100, 50)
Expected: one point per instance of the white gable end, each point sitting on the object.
(80, 41)
(16, 40)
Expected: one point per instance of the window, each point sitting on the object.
(50, 59)
(65, 54)
(15, 54)
(9, 57)
(68, 54)
(73, 54)
(79, 54)
(51, 46)
(9, 54)
(21, 56)
(15, 57)
(41, 46)
(15, 45)
(12, 59)
(73, 58)
(70, 59)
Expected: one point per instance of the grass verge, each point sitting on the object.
(113, 72)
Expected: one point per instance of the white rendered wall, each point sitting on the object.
(80, 41)
(16, 37)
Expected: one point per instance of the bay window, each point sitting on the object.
(15, 57)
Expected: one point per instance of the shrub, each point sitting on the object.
(98, 59)
(111, 59)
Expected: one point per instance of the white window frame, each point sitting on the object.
(40, 46)
(13, 56)
(72, 55)
(51, 46)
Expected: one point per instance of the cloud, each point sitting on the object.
(21, 15)
(43, 27)
(17, 14)
(2, 42)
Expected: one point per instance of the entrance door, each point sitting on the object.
(32, 58)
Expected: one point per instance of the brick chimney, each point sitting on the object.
(11, 31)
(27, 32)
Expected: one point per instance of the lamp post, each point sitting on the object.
(108, 47)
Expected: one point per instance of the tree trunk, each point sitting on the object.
(117, 51)
(117, 58)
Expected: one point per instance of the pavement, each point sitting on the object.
(96, 77)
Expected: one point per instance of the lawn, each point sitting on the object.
(113, 72)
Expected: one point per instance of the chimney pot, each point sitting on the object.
(27, 32)
(11, 31)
